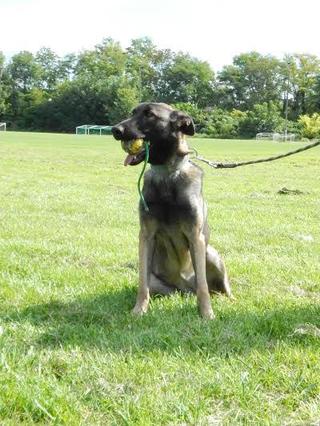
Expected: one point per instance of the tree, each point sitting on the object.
(4, 89)
(125, 97)
(49, 73)
(145, 64)
(106, 60)
(24, 71)
(76, 102)
(315, 96)
(301, 72)
(187, 79)
(252, 79)
(67, 66)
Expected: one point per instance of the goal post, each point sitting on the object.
(93, 129)
(278, 137)
(3, 127)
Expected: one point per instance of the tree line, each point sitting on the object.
(256, 93)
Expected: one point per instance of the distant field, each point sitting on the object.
(71, 352)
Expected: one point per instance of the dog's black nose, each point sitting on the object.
(117, 132)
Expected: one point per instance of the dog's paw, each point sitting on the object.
(207, 313)
(139, 310)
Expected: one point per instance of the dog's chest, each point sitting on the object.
(168, 200)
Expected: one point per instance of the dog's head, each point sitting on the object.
(161, 126)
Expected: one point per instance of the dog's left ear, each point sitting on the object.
(182, 122)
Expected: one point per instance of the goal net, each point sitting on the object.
(3, 127)
(93, 129)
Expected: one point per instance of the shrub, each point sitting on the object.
(265, 117)
(310, 125)
(219, 123)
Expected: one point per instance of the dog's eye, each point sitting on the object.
(148, 113)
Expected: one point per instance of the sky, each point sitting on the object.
(214, 31)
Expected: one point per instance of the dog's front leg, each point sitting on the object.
(146, 247)
(198, 254)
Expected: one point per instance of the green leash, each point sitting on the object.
(146, 159)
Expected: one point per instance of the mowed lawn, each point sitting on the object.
(70, 350)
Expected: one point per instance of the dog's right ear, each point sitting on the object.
(182, 122)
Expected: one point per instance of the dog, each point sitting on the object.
(174, 254)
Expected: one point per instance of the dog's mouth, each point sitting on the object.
(133, 160)
(136, 151)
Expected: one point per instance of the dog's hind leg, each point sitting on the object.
(217, 277)
(157, 286)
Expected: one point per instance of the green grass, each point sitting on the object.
(71, 352)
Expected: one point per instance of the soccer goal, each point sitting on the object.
(279, 137)
(3, 127)
(93, 129)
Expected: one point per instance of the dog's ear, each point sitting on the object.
(182, 122)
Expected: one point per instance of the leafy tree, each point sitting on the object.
(28, 103)
(85, 102)
(106, 60)
(301, 72)
(74, 103)
(49, 69)
(314, 99)
(2, 61)
(67, 66)
(252, 79)
(144, 66)
(22, 76)
(125, 98)
(24, 71)
(187, 79)
(4, 89)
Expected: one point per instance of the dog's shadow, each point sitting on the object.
(106, 322)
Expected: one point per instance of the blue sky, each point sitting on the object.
(208, 29)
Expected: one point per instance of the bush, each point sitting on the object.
(219, 123)
(264, 117)
(310, 125)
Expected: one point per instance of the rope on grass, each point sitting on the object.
(216, 165)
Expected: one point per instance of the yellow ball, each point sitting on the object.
(136, 146)
(132, 147)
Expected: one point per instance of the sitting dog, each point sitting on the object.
(174, 253)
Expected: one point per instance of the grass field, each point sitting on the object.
(71, 352)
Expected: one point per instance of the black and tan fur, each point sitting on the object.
(174, 253)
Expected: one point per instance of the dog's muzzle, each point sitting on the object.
(135, 150)
(133, 146)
